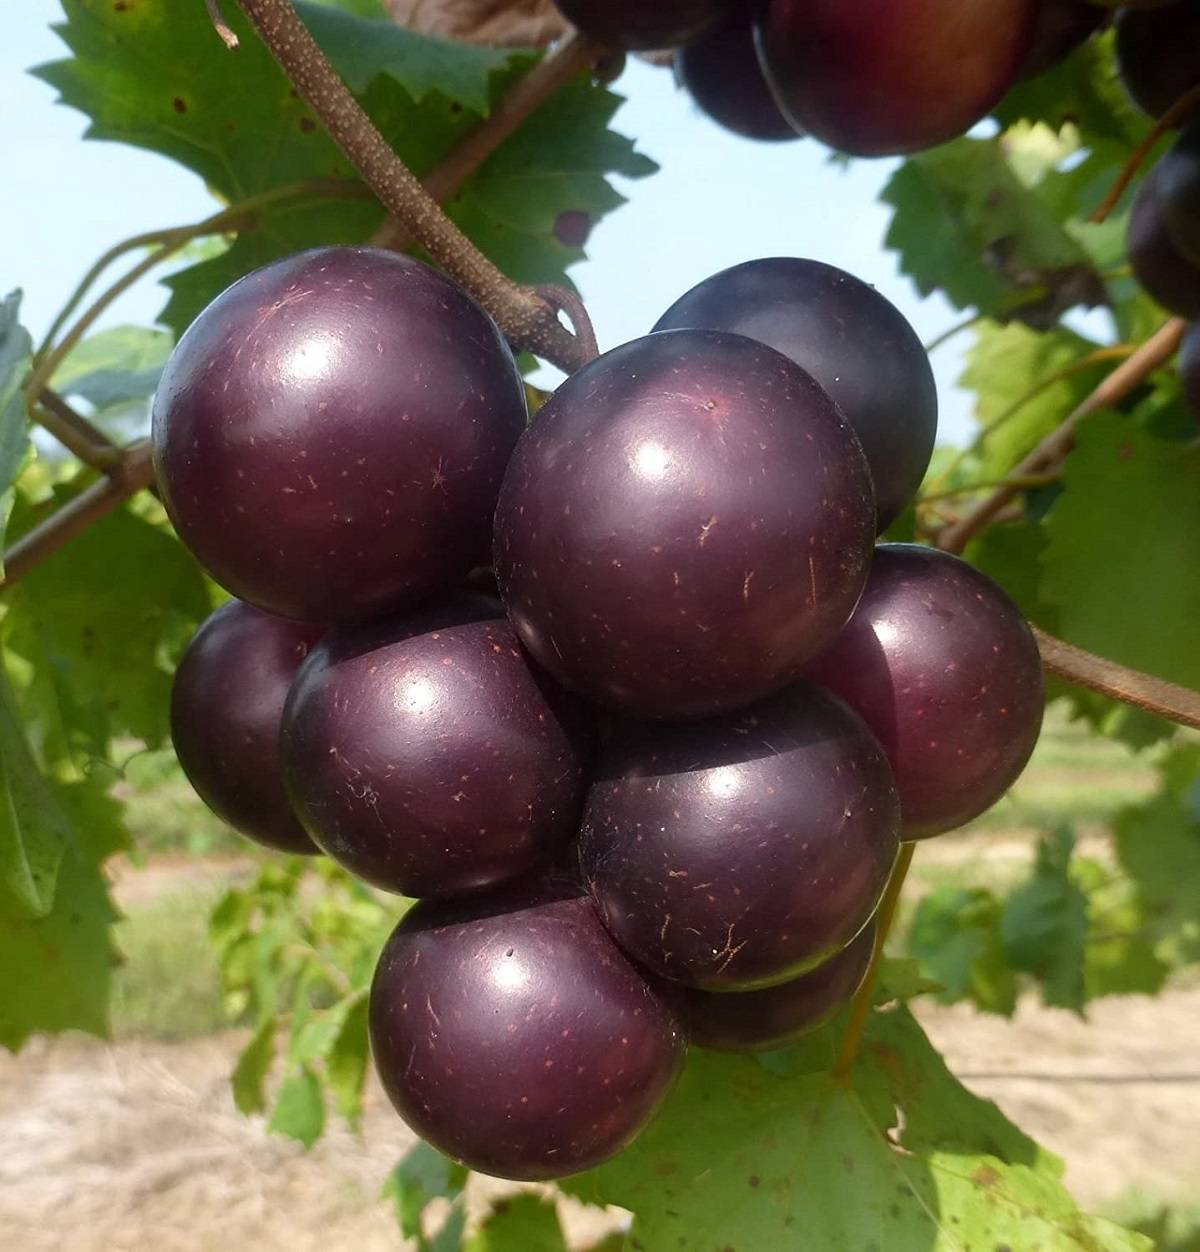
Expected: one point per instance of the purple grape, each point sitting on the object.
(1158, 53)
(688, 520)
(758, 1021)
(943, 668)
(1189, 368)
(742, 851)
(722, 74)
(1059, 27)
(1157, 262)
(427, 755)
(852, 340)
(331, 431)
(883, 77)
(226, 704)
(1178, 178)
(636, 25)
(511, 1033)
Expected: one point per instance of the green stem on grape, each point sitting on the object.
(1182, 107)
(860, 1006)
(228, 218)
(1023, 484)
(526, 318)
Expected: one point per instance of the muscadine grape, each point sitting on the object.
(739, 852)
(773, 1017)
(1158, 53)
(883, 77)
(722, 74)
(851, 339)
(1157, 262)
(688, 520)
(512, 1033)
(639, 25)
(944, 669)
(428, 756)
(1179, 188)
(226, 703)
(1059, 27)
(331, 431)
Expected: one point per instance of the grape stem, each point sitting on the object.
(527, 319)
(1186, 103)
(132, 474)
(1050, 453)
(79, 436)
(860, 1006)
(570, 57)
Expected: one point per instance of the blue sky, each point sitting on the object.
(717, 200)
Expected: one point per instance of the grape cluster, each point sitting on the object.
(649, 784)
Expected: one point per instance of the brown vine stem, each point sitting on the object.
(562, 63)
(1130, 686)
(134, 473)
(1186, 103)
(528, 320)
(1155, 352)
(860, 1006)
(79, 436)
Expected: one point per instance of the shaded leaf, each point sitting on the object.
(299, 1108)
(15, 347)
(250, 1072)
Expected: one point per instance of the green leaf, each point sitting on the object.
(523, 1223)
(955, 936)
(250, 1072)
(34, 831)
(56, 970)
(1124, 536)
(996, 246)
(115, 366)
(1044, 925)
(1120, 957)
(1158, 843)
(346, 1062)
(900, 978)
(106, 620)
(361, 50)
(743, 1157)
(420, 1175)
(299, 1108)
(15, 348)
(1019, 399)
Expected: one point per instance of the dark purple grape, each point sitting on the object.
(742, 851)
(758, 1021)
(637, 25)
(852, 340)
(883, 77)
(1059, 27)
(1157, 262)
(722, 74)
(331, 431)
(1189, 368)
(688, 521)
(1179, 187)
(426, 755)
(944, 669)
(1158, 53)
(511, 1033)
(226, 704)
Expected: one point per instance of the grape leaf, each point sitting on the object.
(1019, 399)
(15, 347)
(107, 617)
(346, 1062)
(420, 1175)
(360, 50)
(1044, 925)
(34, 831)
(1120, 957)
(299, 1107)
(250, 1072)
(114, 366)
(955, 936)
(1122, 534)
(746, 1157)
(996, 246)
(55, 971)
(523, 1223)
